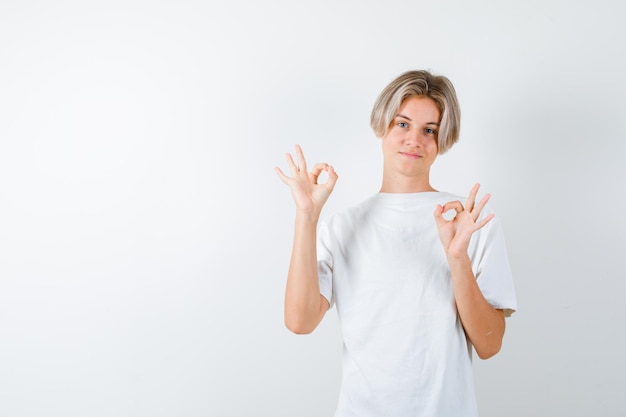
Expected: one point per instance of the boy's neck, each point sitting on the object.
(401, 184)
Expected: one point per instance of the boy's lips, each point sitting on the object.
(410, 155)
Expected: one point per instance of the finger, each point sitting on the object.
(481, 205)
(332, 178)
(439, 215)
(317, 170)
(484, 221)
(292, 165)
(281, 175)
(471, 199)
(301, 160)
(453, 205)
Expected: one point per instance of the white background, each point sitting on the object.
(145, 238)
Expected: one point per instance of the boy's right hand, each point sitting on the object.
(309, 195)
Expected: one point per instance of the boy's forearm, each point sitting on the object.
(304, 307)
(484, 325)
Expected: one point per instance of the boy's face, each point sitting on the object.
(410, 146)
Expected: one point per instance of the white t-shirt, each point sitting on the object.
(383, 266)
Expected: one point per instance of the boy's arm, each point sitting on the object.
(304, 305)
(483, 324)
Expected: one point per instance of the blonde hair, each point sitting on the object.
(419, 83)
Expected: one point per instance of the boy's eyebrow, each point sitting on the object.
(409, 119)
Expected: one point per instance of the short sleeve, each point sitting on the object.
(325, 262)
(490, 263)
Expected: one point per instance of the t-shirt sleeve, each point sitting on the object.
(491, 267)
(325, 262)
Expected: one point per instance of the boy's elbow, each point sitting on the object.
(487, 355)
(298, 326)
(489, 351)
(304, 321)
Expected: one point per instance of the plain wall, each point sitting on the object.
(145, 238)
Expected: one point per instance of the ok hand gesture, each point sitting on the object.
(455, 234)
(309, 195)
